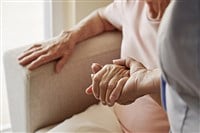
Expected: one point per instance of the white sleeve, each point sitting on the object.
(113, 13)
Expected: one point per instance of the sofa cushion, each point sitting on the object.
(96, 119)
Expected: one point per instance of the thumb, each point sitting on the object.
(128, 62)
(121, 62)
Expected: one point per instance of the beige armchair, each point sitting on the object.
(42, 98)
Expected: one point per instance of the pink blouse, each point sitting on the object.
(139, 42)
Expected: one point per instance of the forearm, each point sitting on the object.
(92, 25)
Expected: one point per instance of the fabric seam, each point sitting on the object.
(184, 119)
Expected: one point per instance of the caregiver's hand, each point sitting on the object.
(109, 78)
(141, 82)
(58, 48)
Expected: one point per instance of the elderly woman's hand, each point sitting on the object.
(109, 78)
(58, 48)
(113, 86)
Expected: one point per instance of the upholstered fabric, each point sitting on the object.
(42, 97)
(96, 119)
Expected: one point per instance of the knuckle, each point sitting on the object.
(111, 86)
(108, 66)
(115, 66)
(35, 53)
(96, 78)
(108, 99)
(127, 73)
(41, 58)
(56, 54)
(114, 95)
(102, 85)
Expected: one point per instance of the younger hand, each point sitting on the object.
(141, 82)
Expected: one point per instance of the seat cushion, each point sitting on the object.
(96, 119)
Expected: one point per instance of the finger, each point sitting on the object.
(89, 90)
(130, 63)
(61, 63)
(34, 46)
(96, 67)
(127, 73)
(43, 59)
(111, 85)
(121, 62)
(95, 82)
(103, 85)
(28, 59)
(117, 90)
(125, 62)
(28, 52)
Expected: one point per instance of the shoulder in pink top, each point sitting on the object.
(139, 42)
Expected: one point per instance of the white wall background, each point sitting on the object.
(66, 13)
(24, 22)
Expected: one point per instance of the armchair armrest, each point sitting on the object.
(42, 97)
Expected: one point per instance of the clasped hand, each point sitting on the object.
(123, 81)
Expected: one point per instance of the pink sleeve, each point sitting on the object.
(113, 14)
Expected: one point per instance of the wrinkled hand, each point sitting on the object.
(141, 82)
(59, 48)
(106, 81)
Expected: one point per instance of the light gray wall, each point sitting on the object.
(65, 14)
